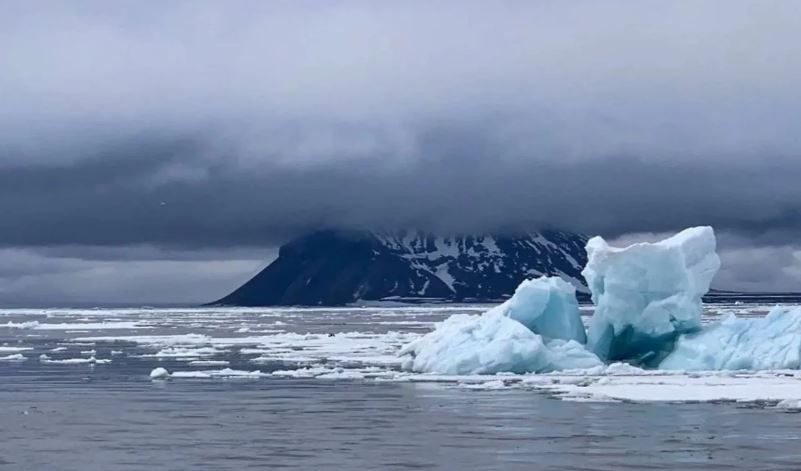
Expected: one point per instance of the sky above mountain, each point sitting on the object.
(160, 151)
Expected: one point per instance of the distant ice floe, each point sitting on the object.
(7, 349)
(223, 373)
(13, 357)
(45, 359)
(78, 326)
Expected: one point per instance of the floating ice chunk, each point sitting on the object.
(648, 293)
(768, 343)
(789, 404)
(73, 361)
(548, 307)
(491, 343)
(13, 357)
(159, 373)
(224, 373)
(21, 325)
(7, 349)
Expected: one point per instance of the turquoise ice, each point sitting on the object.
(647, 294)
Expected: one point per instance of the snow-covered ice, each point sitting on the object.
(648, 293)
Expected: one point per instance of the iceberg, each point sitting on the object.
(647, 313)
(647, 294)
(548, 307)
(491, 343)
(768, 343)
(539, 329)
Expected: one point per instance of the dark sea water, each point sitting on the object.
(114, 417)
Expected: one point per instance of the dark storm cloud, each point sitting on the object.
(177, 200)
(139, 130)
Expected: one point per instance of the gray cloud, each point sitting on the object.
(215, 127)
(125, 275)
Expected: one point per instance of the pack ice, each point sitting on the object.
(647, 311)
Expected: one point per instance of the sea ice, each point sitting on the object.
(159, 373)
(768, 343)
(648, 293)
(546, 306)
(14, 357)
(491, 343)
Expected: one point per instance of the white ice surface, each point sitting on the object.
(13, 357)
(78, 326)
(159, 373)
(7, 349)
(73, 361)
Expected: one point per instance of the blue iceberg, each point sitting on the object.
(647, 294)
(537, 330)
(647, 312)
(548, 307)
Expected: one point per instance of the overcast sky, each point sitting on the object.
(158, 151)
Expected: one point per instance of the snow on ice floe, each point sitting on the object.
(629, 384)
(767, 343)
(647, 294)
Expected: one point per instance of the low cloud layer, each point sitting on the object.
(199, 127)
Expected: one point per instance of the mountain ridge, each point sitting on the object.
(342, 267)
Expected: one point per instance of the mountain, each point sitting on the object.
(342, 267)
